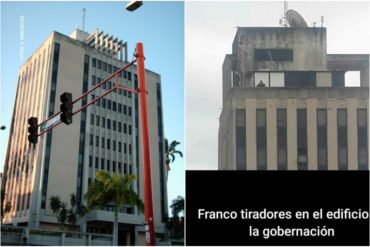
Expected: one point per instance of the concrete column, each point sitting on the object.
(352, 134)
(332, 135)
(312, 134)
(62, 239)
(125, 46)
(364, 76)
(96, 39)
(231, 152)
(292, 134)
(121, 54)
(250, 110)
(271, 133)
(89, 240)
(101, 41)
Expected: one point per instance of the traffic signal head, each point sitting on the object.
(66, 108)
(32, 130)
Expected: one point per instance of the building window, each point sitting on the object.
(114, 145)
(124, 148)
(99, 64)
(97, 122)
(129, 76)
(90, 161)
(129, 111)
(91, 118)
(108, 165)
(124, 108)
(114, 166)
(240, 139)
(119, 107)
(108, 123)
(104, 66)
(261, 139)
(119, 167)
(302, 139)
(129, 149)
(300, 79)
(103, 122)
(322, 143)
(103, 103)
(93, 80)
(124, 128)
(102, 142)
(362, 139)
(342, 139)
(273, 55)
(281, 123)
(119, 146)
(109, 104)
(102, 164)
(114, 106)
(114, 125)
(96, 162)
(91, 140)
(337, 79)
(109, 68)
(129, 130)
(97, 141)
(119, 127)
(94, 62)
(108, 144)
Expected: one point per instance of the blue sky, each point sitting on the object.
(159, 25)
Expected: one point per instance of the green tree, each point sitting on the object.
(6, 209)
(64, 214)
(55, 204)
(177, 206)
(176, 222)
(170, 151)
(116, 190)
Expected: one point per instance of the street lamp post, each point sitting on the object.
(148, 202)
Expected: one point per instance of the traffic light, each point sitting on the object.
(66, 108)
(32, 130)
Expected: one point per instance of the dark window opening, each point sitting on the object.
(342, 139)
(273, 55)
(322, 143)
(362, 139)
(337, 79)
(261, 139)
(302, 139)
(240, 136)
(281, 118)
(300, 79)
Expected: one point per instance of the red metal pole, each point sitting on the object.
(148, 203)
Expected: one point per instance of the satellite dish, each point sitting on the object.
(295, 19)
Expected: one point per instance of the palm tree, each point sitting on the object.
(177, 206)
(55, 204)
(170, 151)
(176, 223)
(63, 213)
(116, 190)
(6, 209)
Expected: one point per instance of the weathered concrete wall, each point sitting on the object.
(308, 45)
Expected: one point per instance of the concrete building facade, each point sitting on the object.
(104, 136)
(286, 105)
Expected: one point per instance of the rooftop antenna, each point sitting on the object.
(83, 19)
(284, 16)
(322, 21)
